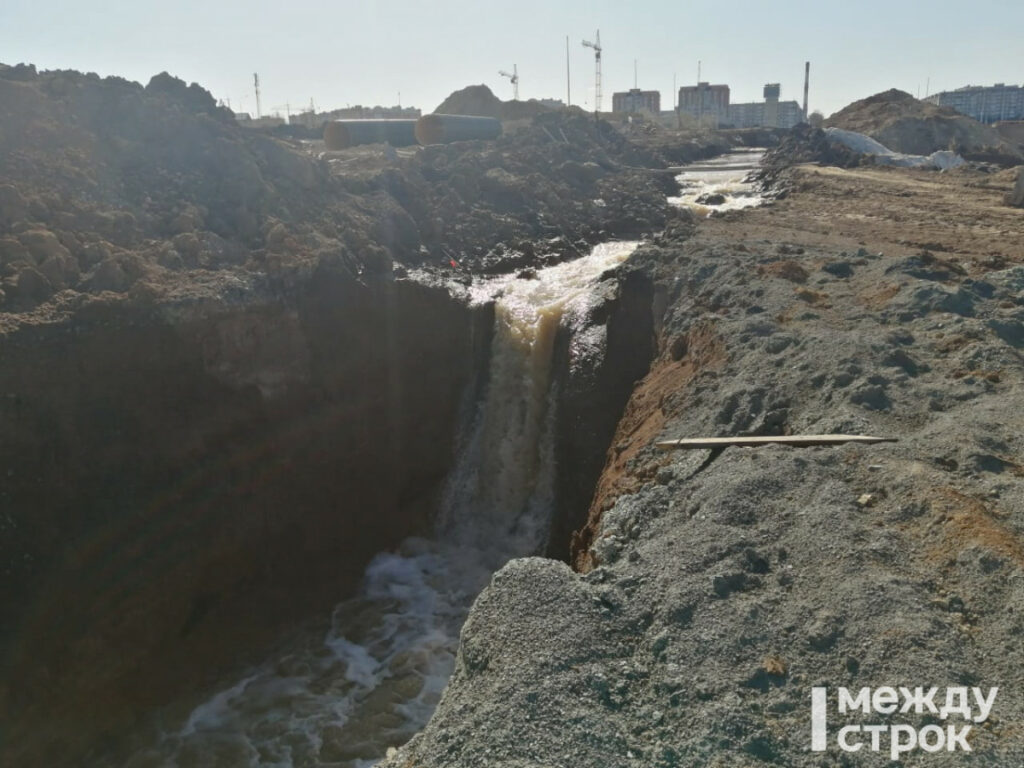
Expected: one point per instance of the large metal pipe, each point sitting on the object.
(443, 129)
(340, 134)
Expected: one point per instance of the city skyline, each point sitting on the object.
(345, 54)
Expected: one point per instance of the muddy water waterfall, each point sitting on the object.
(375, 678)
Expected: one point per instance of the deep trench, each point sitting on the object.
(196, 484)
(215, 479)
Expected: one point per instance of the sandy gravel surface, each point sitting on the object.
(718, 589)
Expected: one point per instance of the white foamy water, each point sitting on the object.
(373, 681)
(726, 175)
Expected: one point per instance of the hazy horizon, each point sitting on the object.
(346, 54)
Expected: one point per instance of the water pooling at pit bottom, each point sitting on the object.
(726, 176)
(375, 678)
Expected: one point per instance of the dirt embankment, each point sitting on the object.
(905, 124)
(720, 587)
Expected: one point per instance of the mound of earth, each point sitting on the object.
(908, 125)
(104, 182)
(806, 144)
(479, 100)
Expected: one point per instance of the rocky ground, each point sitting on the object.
(713, 590)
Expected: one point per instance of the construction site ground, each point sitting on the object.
(718, 588)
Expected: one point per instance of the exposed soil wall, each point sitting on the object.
(182, 481)
(595, 381)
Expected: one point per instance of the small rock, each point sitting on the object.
(839, 268)
(714, 198)
(775, 665)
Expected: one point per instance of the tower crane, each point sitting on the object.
(514, 77)
(596, 45)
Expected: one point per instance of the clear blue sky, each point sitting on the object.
(344, 52)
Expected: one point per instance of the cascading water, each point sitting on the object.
(374, 680)
(720, 184)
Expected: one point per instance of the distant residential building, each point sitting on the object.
(757, 114)
(986, 104)
(770, 113)
(706, 102)
(551, 103)
(635, 100)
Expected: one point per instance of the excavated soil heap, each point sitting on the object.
(480, 101)
(905, 124)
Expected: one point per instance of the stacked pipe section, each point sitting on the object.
(429, 129)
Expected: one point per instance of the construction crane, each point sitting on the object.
(596, 45)
(514, 77)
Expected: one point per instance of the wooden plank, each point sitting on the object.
(800, 441)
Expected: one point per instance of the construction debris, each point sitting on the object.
(342, 134)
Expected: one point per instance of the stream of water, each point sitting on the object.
(720, 184)
(342, 699)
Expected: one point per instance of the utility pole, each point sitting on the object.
(634, 75)
(256, 85)
(675, 103)
(700, 98)
(568, 90)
